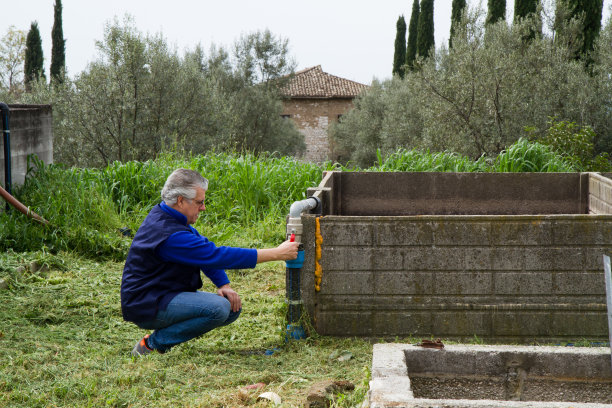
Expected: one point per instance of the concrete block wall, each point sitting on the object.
(600, 194)
(31, 133)
(517, 278)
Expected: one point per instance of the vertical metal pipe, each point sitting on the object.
(5, 112)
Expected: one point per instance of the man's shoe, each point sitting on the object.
(141, 348)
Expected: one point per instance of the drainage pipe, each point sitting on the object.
(22, 208)
(294, 268)
(5, 112)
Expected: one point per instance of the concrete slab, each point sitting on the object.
(519, 368)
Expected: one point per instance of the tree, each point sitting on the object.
(522, 8)
(528, 9)
(425, 31)
(578, 23)
(399, 57)
(58, 50)
(497, 11)
(592, 23)
(12, 57)
(411, 46)
(261, 57)
(33, 65)
(456, 13)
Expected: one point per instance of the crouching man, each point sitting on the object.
(161, 277)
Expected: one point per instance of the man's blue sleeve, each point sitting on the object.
(193, 249)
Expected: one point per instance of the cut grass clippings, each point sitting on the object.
(63, 343)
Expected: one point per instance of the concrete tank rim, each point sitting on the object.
(464, 217)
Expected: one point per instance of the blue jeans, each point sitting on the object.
(188, 315)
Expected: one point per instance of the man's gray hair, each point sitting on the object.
(182, 182)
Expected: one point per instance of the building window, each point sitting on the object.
(339, 117)
(286, 116)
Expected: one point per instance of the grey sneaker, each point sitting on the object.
(141, 348)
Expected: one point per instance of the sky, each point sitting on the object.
(348, 38)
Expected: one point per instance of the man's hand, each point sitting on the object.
(227, 292)
(286, 251)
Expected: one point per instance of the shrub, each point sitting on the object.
(575, 144)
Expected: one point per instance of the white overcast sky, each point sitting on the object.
(352, 39)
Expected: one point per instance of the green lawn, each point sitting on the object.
(63, 343)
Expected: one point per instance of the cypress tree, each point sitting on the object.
(522, 8)
(399, 58)
(592, 23)
(411, 47)
(590, 12)
(58, 50)
(496, 11)
(456, 13)
(33, 66)
(425, 30)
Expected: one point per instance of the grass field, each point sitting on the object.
(63, 343)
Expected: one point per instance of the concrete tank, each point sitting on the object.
(512, 257)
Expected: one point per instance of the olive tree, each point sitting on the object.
(12, 57)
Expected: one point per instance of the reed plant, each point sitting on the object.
(424, 160)
(525, 156)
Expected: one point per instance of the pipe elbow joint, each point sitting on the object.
(298, 207)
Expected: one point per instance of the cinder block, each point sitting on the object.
(403, 283)
(594, 257)
(358, 258)
(474, 259)
(578, 283)
(333, 258)
(459, 233)
(463, 283)
(515, 323)
(433, 259)
(347, 283)
(387, 259)
(402, 323)
(563, 259)
(523, 283)
(461, 323)
(347, 233)
(507, 259)
(579, 324)
(345, 323)
(583, 231)
(527, 232)
(403, 233)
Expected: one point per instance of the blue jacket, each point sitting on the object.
(165, 259)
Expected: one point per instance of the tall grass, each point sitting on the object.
(525, 156)
(247, 200)
(418, 160)
(81, 217)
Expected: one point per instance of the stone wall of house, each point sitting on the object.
(313, 118)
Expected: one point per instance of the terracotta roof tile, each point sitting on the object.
(314, 83)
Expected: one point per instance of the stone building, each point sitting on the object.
(313, 100)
